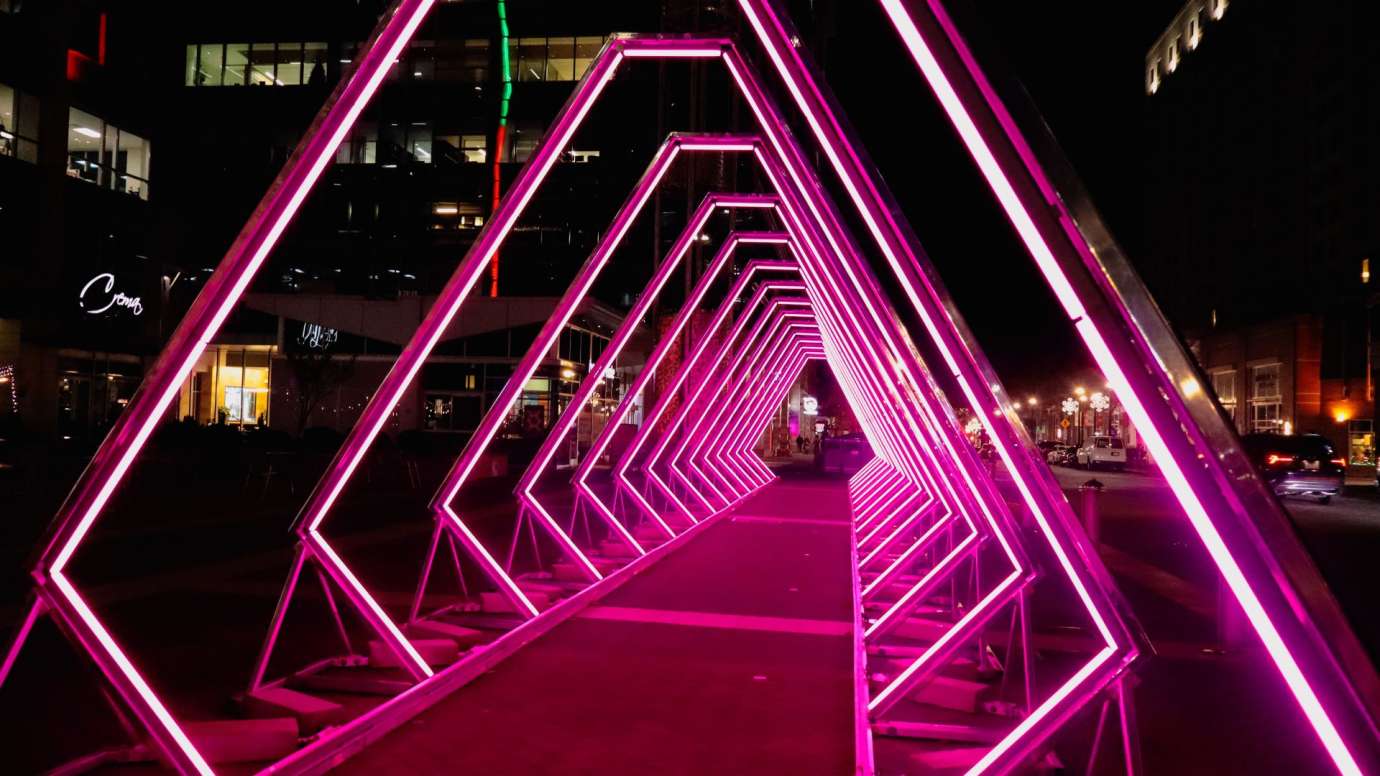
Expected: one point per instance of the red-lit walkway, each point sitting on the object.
(731, 655)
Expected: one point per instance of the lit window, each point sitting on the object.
(529, 63)
(1265, 381)
(85, 136)
(192, 78)
(244, 381)
(1152, 77)
(560, 59)
(260, 64)
(1265, 418)
(475, 148)
(131, 163)
(1173, 55)
(1194, 33)
(206, 65)
(361, 147)
(456, 215)
(1219, 7)
(261, 56)
(460, 149)
(1361, 443)
(586, 49)
(1224, 386)
(552, 59)
(1266, 402)
(18, 124)
(417, 145)
(288, 70)
(236, 63)
(314, 63)
(103, 154)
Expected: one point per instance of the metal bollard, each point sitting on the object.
(1092, 521)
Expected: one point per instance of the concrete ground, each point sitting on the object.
(188, 567)
(731, 656)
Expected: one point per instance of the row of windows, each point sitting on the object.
(256, 64)
(465, 61)
(580, 346)
(107, 156)
(1183, 36)
(416, 143)
(552, 59)
(456, 216)
(1266, 401)
(394, 143)
(18, 124)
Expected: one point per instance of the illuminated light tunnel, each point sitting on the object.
(845, 314)
(940, 551)
(833, 323)
(1244, 531)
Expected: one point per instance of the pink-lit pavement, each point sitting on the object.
(730, 656)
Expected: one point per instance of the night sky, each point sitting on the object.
(1084, 72)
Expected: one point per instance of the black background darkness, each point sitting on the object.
(1084, 72)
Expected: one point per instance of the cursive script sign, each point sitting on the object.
(317, 337)
(99, 296)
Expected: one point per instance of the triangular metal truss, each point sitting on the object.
(936, 537)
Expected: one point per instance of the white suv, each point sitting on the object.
(1102, 451)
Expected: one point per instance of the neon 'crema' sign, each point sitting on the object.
(99, 296)
(809, 405)
(58, 596)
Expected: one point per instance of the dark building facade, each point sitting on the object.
(1268, 378)
(1262, 180)
(81, 286)
(137, 139)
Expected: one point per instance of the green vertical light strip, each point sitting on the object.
(505, 62)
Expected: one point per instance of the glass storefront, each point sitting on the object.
(447, 411)
(230, 386)
(1361, 443)
(93, 389)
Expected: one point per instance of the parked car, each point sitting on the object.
(1102, 452)
(844, 454)
(1059, 454)
(1297, 465)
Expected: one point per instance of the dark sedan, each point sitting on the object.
(844, 454)
(1299, 465)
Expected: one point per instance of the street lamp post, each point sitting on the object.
(1070, 407)
(1082, 395)
(1100, 404)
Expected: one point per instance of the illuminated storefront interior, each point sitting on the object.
(230, 386)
